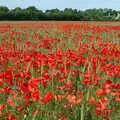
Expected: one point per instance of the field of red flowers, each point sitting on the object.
(59, 71)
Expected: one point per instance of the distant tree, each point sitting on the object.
(53, 14)
(3, 12)
(32, 13)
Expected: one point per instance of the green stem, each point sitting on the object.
(88, 94)
(35, 114)
(82, 112)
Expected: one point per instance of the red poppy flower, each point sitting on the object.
(10, 101)
(48, 97)
(91, 101)
(35, 95)
(100, 92)
(11, 117)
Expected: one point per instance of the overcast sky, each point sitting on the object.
(61, 4)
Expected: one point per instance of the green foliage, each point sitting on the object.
(68, 14)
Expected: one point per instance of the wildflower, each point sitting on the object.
(100, 92)
(48, 97)
(35, 95)
(91, 101)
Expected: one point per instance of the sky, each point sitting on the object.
(61, 4)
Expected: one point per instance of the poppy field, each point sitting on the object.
(59, 71)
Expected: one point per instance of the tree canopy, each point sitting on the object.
(32, 13)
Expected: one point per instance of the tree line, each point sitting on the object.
(32, 13)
